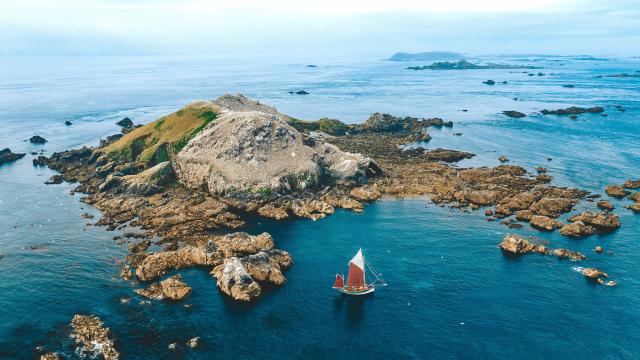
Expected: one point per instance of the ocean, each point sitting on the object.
(452, 294)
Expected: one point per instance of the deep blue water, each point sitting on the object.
(451, 293)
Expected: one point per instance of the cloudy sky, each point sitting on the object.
(300, 29)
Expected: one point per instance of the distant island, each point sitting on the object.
(429, 55)
(465, 65)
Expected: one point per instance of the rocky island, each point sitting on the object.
(466, 65)
(189, 180)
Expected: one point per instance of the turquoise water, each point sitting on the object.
(451, 293)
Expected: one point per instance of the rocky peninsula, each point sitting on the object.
(190, 179)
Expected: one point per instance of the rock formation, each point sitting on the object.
(93, 337)
(172, 288)
(7, 156)
(517, 245)
(603, 221)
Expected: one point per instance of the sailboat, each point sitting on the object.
(356, 278)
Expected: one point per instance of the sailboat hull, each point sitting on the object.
(365, 291)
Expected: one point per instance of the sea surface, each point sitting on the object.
(451, 295)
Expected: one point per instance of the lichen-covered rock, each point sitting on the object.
(172, 288)
(157, 264)
(93, 337)
(577, 229)
(234, 280)
(545, 223)
(603, 221)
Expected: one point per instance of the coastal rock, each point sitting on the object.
(37, 139)
(7, 156)
(146, 183)
(568, 254)
(545, 223)
(310, 208)
(125, 122)
(55, 180)
(341, 165)
(365, 193)
(68, 123)
(631, 184)
(574, 110)
(234, 280)
(93, 337)
(635, 207)
(268, 265)
(603, 221)
(635, 196)
(605, 205)
(126, 273)
(577, 229)
(50, 356)
(616, 191)
(193, 342)
(544, 178)
(541, 170)
(489, 82)
(503, 158)
(248, 150)
(517, 245)
(440, 154)
(598, 276)
(157, 264)
(552, 206)
(241, 244)
(598, 249)
(139, 247)
(172, 288)
(514, 114)
(40, 161)
(272, 211)
(524, 215)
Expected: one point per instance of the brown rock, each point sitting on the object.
(598, 249)
(605, 205)
(157, 264)
(524, 215)
(616, 191)
(274, 212)
(235, 281)
(503, 158)
(50, 356)
(635, 196)
(488, 212)
(631, 184)
(544, 178)
(569, 254)
(541, 170)
(516, 245)
(545, 223)
(365, 193)
(552, 206)
(126, 273)
(172, 288)
(577, 229)
(603, 221)
(193, 342)
(94, 337)
(635, 207)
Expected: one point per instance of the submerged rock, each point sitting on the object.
(574, 110)
(94, 337)
(514, 114)
(172, 288)
(7, 156)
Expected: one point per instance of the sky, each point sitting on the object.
(304, 29)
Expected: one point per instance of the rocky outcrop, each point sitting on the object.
(577, 229)
(631, 184)
(50, 356)
(605, 205)
(7, 156)
(598, 276)
(93, 337)
(37, 139)
(514, 114)
(365, 193)
(172, 288)
(517, 245)
(148, 182)
(544, 223)
(616, 191)
(574, 110)
(157, 264)
(444, 155)
(603, 221)
(234, 280)
(125, 122)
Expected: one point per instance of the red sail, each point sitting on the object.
(355, 277)
(339, 284)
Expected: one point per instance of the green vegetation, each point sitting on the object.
(329, 126)
(160, 140)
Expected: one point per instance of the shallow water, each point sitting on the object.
(451, 293)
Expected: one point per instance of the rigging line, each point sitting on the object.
(375, 273)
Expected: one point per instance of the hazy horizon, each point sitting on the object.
(286, 29)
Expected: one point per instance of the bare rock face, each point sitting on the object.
(94, 337)
(172, 288)
(605, 205)
(248, 151)
(552, 206)
(365, 193)
(157, 264)
(268, 265)
(241, 103)
(146, 183)
(616, 191)
(603, 221)
(598, 276)
(516, 245)
(270, 210)
(241, 244)
(259, 152)
(545, 223)
(577, 229)
(235, 281)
